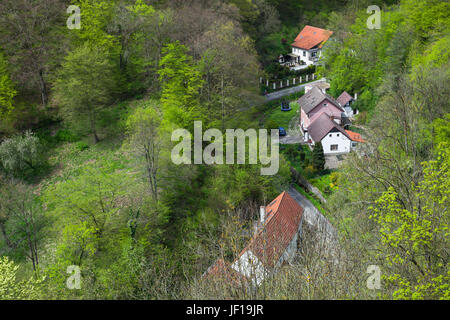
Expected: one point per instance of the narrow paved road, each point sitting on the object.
(314, 218)
(285, 92)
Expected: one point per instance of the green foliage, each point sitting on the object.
(181, 82)
(427, 16)
(95, 17)
(7, 91)
(92, 195)
(318, 157)
(414, 240)
(81, 145)
(23, 221)
(143, 126)
(65, 135)
(84, 86)
(79, 241)
(13, 289)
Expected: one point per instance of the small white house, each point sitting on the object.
(307, 46)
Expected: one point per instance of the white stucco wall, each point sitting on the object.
(344, 143)
(308, 57)
(249, 265)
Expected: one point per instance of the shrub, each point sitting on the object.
(81, 145)
(20, 152)
(65, 135)
(309, 171)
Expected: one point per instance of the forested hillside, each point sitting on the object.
(87, 180)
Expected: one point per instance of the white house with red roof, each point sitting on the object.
(274, 242)
(307, 46)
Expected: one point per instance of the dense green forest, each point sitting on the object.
(86, 117)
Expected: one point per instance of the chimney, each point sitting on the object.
(356, 96)
(262, 213)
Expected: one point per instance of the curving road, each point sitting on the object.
(285, 92)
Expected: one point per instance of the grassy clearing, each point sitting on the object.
(282, 118)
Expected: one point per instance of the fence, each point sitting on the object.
(273, 85)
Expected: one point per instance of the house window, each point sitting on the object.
(337, 134)
(313, 54)
(353, 144)
(304, 53)
(333, 147)
(330, 135)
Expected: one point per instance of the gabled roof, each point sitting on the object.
(311, 37)
(313, 97)
(283, 216)
(344, 98)
(355, 136)
(320, 127)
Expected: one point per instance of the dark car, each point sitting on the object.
(282, 131)
(285, 106)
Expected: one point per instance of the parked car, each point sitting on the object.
(285, 106)
(282, 131)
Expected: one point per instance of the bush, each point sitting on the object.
(20, 152)
(65, 135)
(309, 171)
(81, 145)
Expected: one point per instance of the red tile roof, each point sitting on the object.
(311, 37)
(355, 136)
(283, 216)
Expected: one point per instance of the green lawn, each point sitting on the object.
(281, 118)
